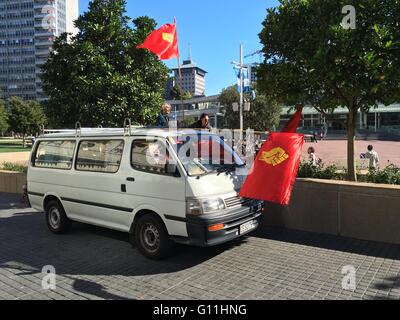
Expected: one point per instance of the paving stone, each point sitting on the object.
(95, 263)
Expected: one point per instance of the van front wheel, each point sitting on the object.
(57, 220)
(151, 237)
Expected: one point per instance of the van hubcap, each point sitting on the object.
(151, 237)
(54, 218)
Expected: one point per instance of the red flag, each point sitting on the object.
(293, 123)
(274, 171)
(163, 42)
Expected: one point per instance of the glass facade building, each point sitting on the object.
(28, 29)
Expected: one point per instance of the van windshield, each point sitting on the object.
(205, 153)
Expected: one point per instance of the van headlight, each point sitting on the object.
(199, 206)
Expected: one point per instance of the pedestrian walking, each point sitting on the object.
(373, 157)
(314, 161)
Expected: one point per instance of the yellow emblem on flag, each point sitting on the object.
(168, 37)
(274, 157)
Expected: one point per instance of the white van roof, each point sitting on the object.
(118, 132)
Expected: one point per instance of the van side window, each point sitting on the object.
(149, 155)
(54, 155)
(99, 155)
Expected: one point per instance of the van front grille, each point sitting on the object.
(237, 201)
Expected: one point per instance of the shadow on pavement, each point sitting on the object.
(86, 250)
(95, 289)
(331, 242)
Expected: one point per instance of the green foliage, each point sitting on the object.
(389, 175)
(3, 118)
(178, 94)
(187, 122)
(311, 59)
(9, 166)
(226, 98)
(307, 170)
(264, 113)
(99, 77)
(25, 117)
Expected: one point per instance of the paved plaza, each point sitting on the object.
(335, 151)
(95, 263)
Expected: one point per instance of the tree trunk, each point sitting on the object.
(351, 136)
(23, 141)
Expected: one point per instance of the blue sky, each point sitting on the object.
(214, 29)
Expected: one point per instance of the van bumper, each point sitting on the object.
(197, 226)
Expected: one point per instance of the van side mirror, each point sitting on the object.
(172, 168)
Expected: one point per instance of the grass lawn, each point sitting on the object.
(12, 145)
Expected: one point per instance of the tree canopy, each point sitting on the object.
(3, 118)
(310, 58)
(99, 77)
(177, 93)
(25, 117)
(264, 113)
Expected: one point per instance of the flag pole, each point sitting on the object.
(179, 61)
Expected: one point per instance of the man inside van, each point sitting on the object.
(163, 118)
(202, 123)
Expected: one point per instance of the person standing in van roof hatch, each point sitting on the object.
(163, 118)
(202, 123)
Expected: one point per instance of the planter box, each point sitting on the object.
(12, 182)
(357, 210)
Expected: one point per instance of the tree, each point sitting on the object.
(178, 94)
(99, 77)
(25, 117)
(3, 118)
(311, 59)
(264, 112)
(226, 98)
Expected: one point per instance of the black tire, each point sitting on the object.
(57, 220)
(151, 237)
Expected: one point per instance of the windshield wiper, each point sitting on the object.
(229, 167)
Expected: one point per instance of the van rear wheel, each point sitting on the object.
(57, 220)
(151, 237)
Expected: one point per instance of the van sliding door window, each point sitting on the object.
(54, 155)
(99, 155)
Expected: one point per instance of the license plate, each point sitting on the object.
(247, 226)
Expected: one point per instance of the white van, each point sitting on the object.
(148, 182)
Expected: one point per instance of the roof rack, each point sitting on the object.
(78, 131)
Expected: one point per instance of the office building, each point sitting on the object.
(28, 29)
(193, 78)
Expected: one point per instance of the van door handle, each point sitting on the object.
(130, 179)
(123, 187)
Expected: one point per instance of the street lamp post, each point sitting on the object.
(241, 93)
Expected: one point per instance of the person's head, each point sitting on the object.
(204, 120)
(370, 148)
(166, 108)
(311, 150)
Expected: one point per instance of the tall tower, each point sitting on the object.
(193, 78)
(27, 31)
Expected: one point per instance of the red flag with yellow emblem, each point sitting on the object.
(274, 171)
(163, 42)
